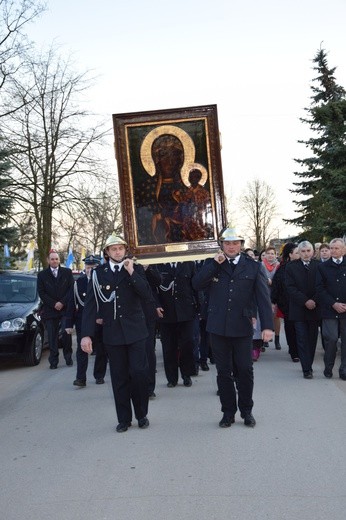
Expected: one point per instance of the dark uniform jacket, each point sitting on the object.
(331, 287)
(52, 290)
(301, 287)
(176, 295)
(149, 306)
(74, 310)
(233, 296)
(123, 316)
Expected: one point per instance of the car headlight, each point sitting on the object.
(16, 324)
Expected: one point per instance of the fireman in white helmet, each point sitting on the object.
(237, 287)
(114, 296)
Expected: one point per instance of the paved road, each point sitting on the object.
(61, 458)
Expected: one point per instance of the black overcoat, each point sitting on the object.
(52, 290)
(331, 287)
(301, 287)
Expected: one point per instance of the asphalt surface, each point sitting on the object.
(61, 458)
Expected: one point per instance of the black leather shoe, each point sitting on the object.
(69, 362)
(226, 421)
(171, 385)
(152, 396)
(100, 381)
(53, 367)
(196, 371)
(79, 382)
(143, 423)
(123, 427)
(327, 373)
(342, 376)
(308, 374)
(249, 420)
(204, 366)
(187, 381)
(295, 359)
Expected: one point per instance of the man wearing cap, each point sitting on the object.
(237, 288)
(53, 286)
(74, 317)
(115, 297)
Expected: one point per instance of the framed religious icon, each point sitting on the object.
(170, 181)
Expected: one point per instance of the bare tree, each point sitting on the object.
(259, 204)
(15, 15)
(92, 218)
(52, 141)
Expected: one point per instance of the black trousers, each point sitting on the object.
(291, 338)
(129, 374)
(204, 344)
(150, 343)
(53, 325)
(233, 359)
(307, 333)
(177, 346)
(332, 329)
(101, 357)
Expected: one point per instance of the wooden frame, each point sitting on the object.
(170, 180)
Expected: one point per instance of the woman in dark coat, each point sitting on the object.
(279, 297)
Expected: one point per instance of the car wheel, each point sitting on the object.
(34, 348)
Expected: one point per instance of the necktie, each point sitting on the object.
(55, 273)
(116, 273)
(232, 264)
(307, 266)
(338, 261)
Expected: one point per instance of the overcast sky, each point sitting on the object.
(251, 58)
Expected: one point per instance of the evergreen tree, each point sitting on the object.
(322, 181)
(7, 234)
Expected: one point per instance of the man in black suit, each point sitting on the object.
(177, 310)
(54, 285)
(237, 288)
(115, 296)
(300, 279)
(331, 291)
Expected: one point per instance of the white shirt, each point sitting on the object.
(113, 264)
(234, 260)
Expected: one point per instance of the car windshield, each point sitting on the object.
(15, 289)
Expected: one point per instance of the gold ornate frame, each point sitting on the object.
(166, 210)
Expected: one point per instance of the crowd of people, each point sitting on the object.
(225, 310)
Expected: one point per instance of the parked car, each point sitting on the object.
(21, 328)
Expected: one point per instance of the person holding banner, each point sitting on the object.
(115, 296)
(237, 289)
